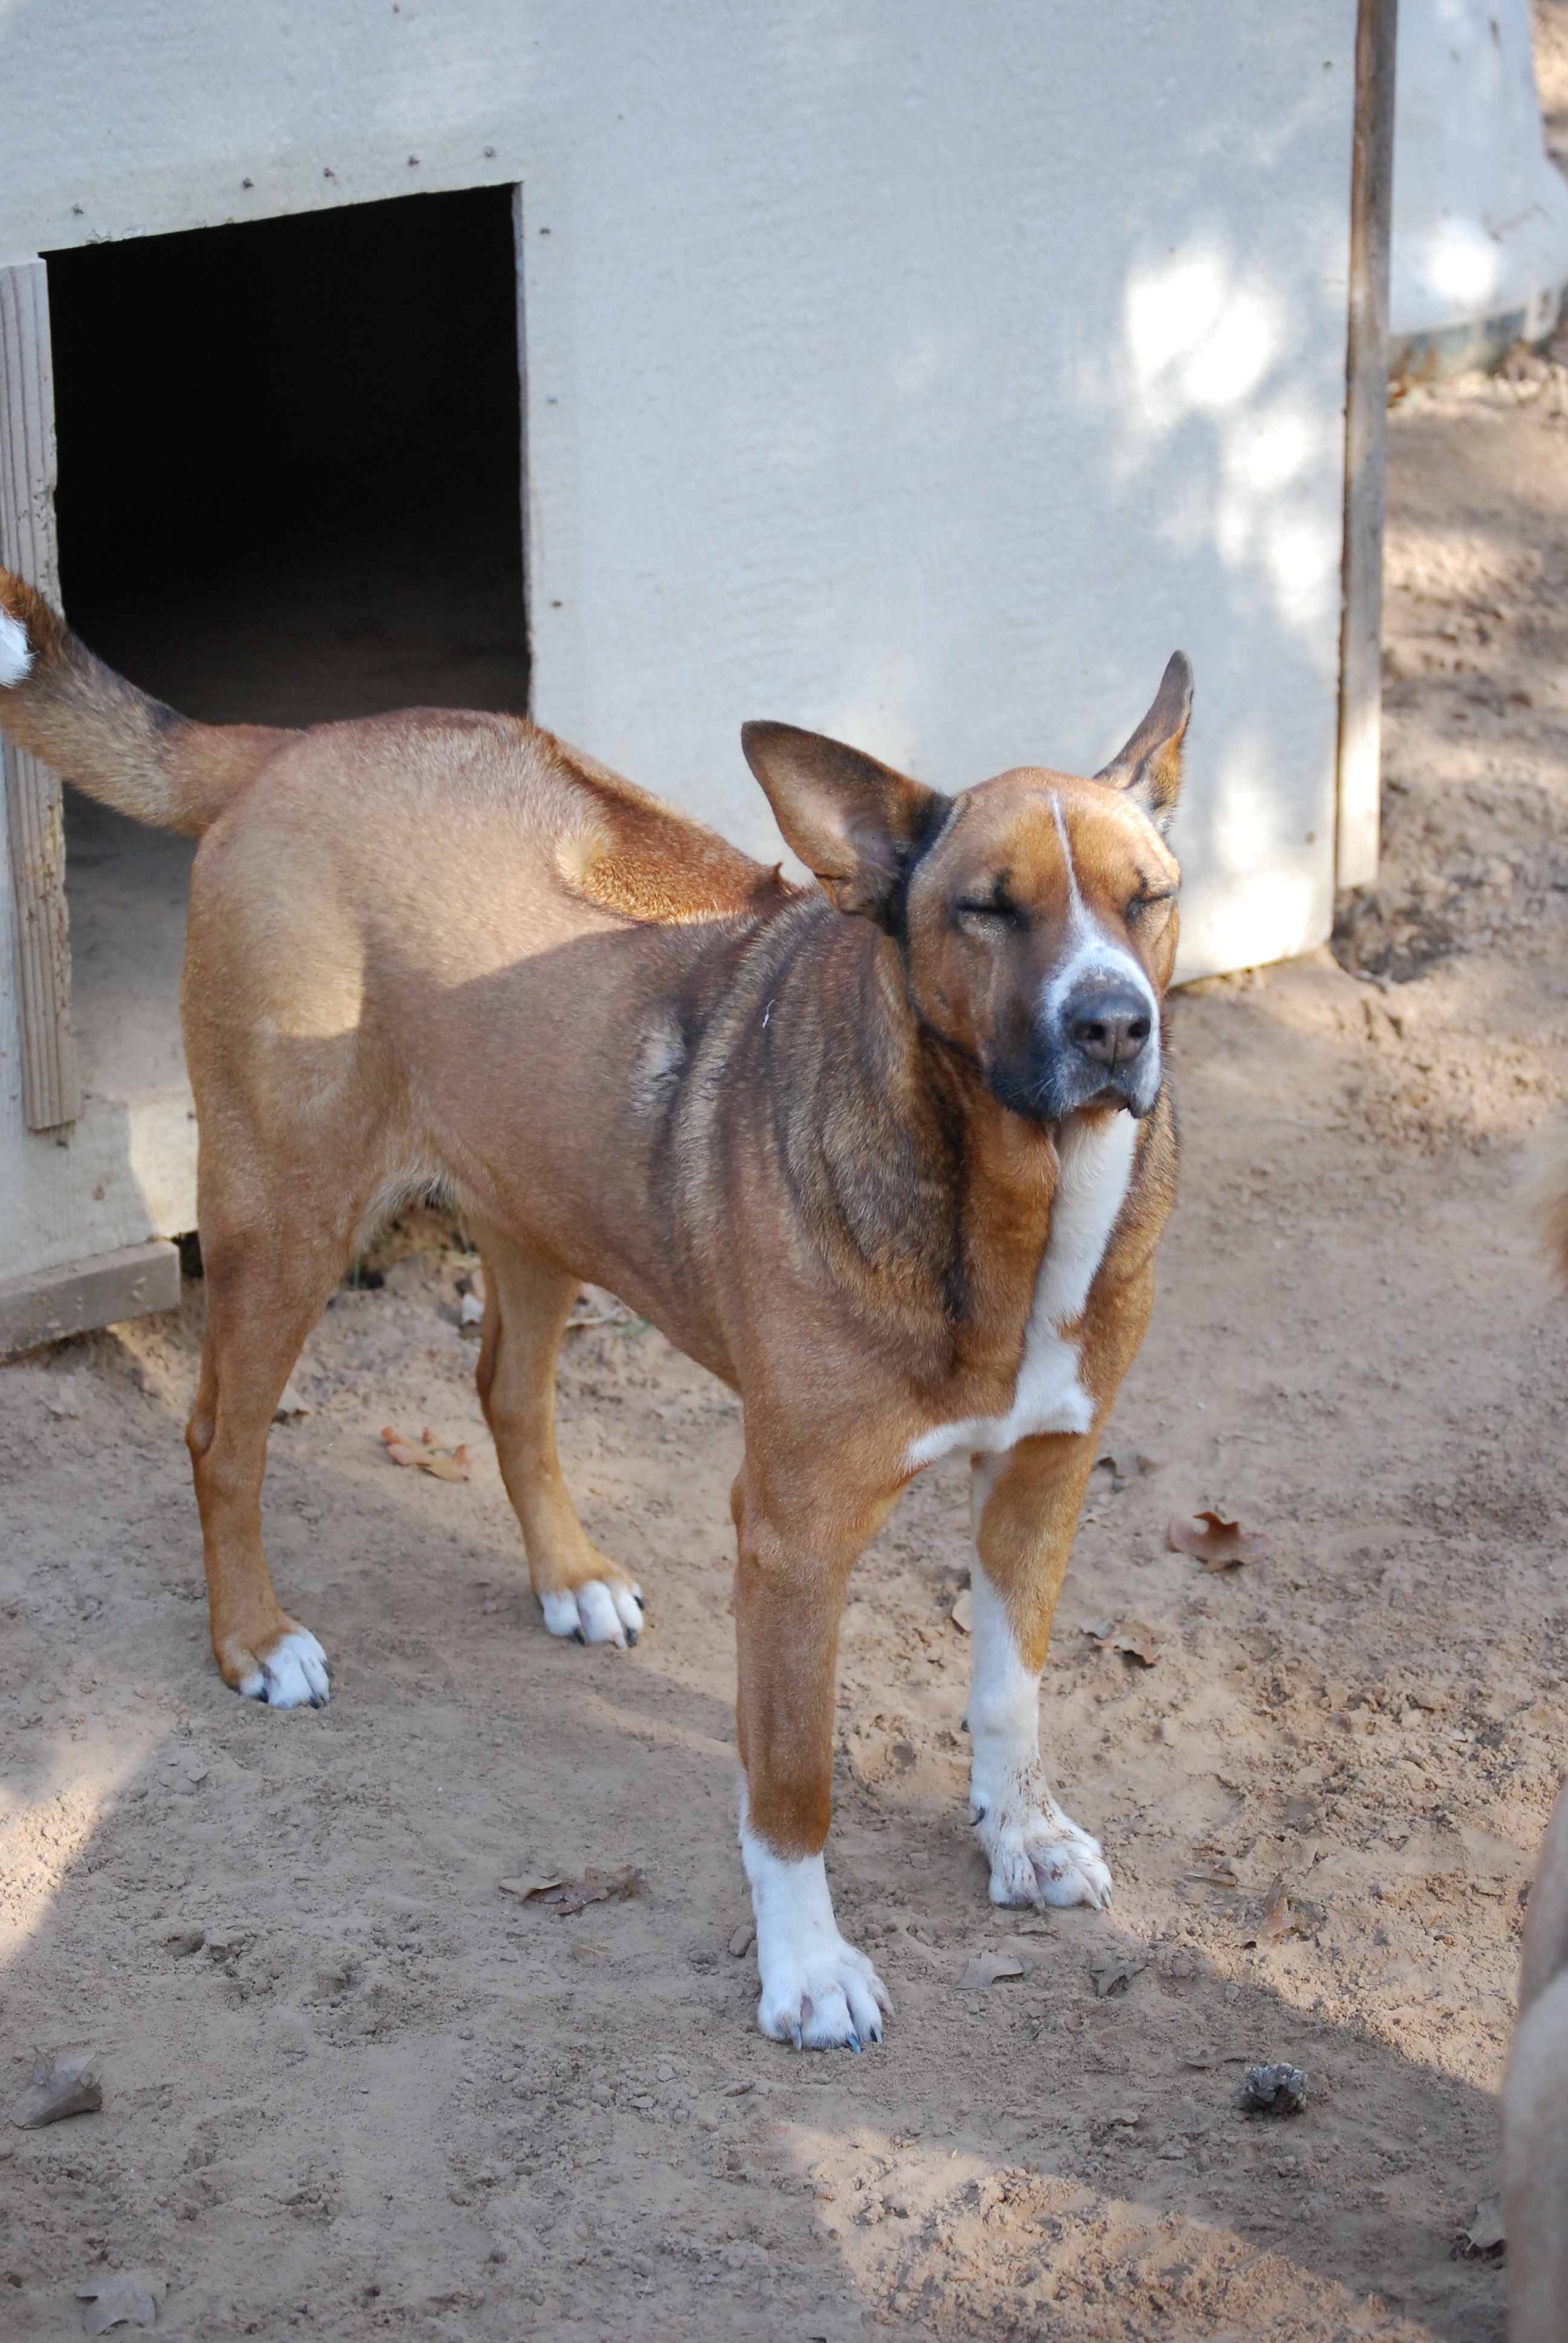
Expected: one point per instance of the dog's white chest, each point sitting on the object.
(1091, 1190)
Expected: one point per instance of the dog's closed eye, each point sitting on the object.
(992, 912)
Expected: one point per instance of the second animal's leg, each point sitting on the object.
(818, 1991)
(528, 1301)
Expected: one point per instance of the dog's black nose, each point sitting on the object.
(1108, 1020)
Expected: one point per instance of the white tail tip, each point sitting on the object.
(16, 658)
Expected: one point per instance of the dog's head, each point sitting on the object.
(1037, 914)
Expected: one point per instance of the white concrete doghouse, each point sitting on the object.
(1479, 221)
(922, 374)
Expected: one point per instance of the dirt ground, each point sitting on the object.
(381, 2095)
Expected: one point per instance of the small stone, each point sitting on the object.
(741, 1942)
(1272, 2091)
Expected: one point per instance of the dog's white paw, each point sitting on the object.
(821, 1996)
(818, 1992)
(596, 1613)
(292, 1672)
(1038, 1856)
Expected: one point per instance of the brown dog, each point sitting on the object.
(890, 1155)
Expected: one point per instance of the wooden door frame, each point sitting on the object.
(1356, 842)
(51, 1093)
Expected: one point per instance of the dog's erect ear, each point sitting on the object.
(1150, 766)
(854, 823)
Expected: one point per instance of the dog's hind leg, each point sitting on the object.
(262, 1296)
(528, 1301)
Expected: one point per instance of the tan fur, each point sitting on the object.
(1545, 1188)
(1536, 2109)
(443, 949)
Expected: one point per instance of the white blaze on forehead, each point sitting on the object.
(16, 657)
(1092, 950)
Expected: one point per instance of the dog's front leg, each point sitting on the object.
(1025, 1510)
(818, 1991)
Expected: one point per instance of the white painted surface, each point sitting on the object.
(915, 375)
(1480, 213)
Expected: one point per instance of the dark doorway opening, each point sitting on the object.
(290, 490)
(290, 458)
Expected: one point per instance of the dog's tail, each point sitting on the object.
(104, 736)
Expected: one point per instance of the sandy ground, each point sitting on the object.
(382, 2096)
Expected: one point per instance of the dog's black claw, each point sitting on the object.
(631, 1639)
(576, 1637)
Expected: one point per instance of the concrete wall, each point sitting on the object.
(925, 375)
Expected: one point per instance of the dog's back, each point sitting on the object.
(609, 843)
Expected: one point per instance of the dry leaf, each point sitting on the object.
(584, 1952)
(1126, 1463)
(1216, 1879)
(1278, 1920)
(443, 1464)
(127, 2294)
(989, 1968)
(1487, 2233)
(1219, 1544)
(1137, 1641)
(568, 1896)
(1114, 1972)
(523, 1888)
(963, 1612)
(65, 2083)
(1133, 1637)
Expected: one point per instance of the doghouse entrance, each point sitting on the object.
(289, 490)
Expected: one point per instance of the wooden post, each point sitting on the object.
(1366, 432)
(519, 258)
(50, 1093)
